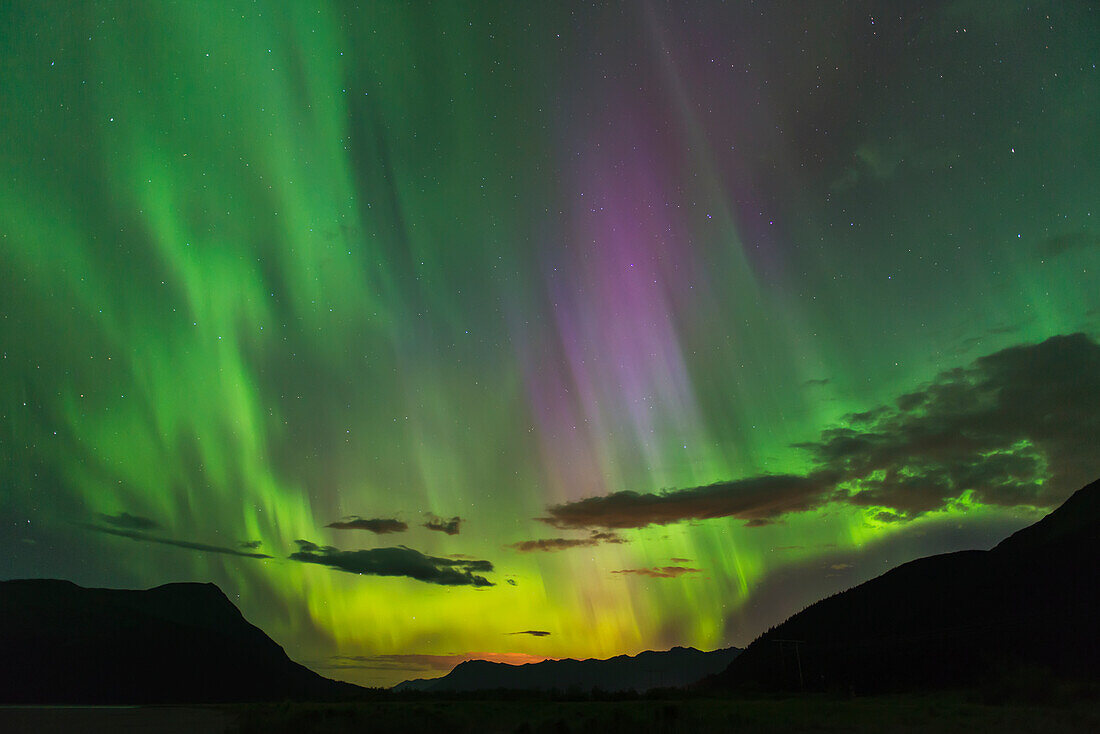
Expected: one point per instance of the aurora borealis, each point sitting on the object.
(422, 328)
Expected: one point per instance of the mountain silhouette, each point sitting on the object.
(680, 666)
(952, 620)
(178, 643)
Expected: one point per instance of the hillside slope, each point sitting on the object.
(63, 643)
(949, 620)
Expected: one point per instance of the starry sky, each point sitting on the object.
(437, 331)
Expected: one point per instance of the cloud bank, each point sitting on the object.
(756, 499)
(1016, 428)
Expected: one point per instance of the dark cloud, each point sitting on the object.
(250, 544)
(606, 537)
(450, 527)
(552, 544)
(511, 582)
(1080, 240)
(660, 572)
(146, 537)
(377, 525)
(129, 522)
(399, 561)
(1016, 428)
(756, 498)
(680, 560)
(817, 383)
(533, 633)
(558, 544)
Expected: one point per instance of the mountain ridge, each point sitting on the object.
(947, 620)
(173, 643)
(646, 670)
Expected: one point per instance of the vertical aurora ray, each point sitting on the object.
(265, 266)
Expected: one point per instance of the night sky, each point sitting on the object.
(432, 331)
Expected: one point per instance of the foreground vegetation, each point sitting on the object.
(931, 713)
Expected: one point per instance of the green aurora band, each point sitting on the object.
(269, 266)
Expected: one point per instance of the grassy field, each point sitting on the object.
(1014, 704)
(805, 714)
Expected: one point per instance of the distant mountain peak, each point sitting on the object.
(677, 667)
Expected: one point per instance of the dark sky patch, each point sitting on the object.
(1064, 242)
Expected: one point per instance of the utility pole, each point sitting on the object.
(797, 656)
